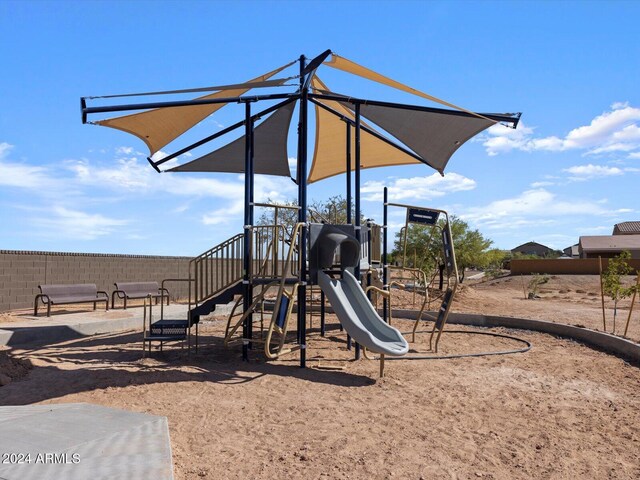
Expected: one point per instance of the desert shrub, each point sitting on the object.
(613, 281)
(534, 284)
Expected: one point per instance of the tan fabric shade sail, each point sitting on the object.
(270, 149)
(329, 157)
(160, 126)
(348, 66)
(435, 136)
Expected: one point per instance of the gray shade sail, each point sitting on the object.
(269, 145)
(435, 136)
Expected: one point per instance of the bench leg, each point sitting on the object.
(49, 308)
(125, 307)
(94, 305)
(35, 308)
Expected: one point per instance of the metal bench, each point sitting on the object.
(66, 294)
(138, 290)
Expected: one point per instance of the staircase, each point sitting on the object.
(215, 276)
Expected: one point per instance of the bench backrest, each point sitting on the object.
(133, 288)
(64, 291)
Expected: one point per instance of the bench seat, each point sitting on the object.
(68, 294)
(138, 290)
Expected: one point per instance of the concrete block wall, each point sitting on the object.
(21, 272)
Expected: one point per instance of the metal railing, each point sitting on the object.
(216, 269)
(221, 266)
(268, 250)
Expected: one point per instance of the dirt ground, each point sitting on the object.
(561, 410)
(570, 299)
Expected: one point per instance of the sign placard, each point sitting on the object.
(420, 215)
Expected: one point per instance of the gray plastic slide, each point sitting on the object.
(358, 316)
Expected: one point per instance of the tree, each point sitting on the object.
(425, 246)
(612, 284)
(495, 260)
(287, 217)
(333, 210)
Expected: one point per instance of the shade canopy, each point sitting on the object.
(434, 135)
(269, 147)
(159, 127)
(348, 66)
(407, 134)
(329, 156)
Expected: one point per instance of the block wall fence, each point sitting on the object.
(21, 272)
(574, 266)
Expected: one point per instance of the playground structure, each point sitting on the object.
(263, 258)
(447, 262)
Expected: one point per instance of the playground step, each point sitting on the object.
(209, 305)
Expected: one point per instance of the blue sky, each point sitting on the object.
(572, 167)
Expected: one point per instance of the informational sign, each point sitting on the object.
(420, 215)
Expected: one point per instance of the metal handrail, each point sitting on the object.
(269, 244)
(217, 268)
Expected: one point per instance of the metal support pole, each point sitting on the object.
(251, 220)
(246, 254)
(349, 200)
(385, 269)
(302, 215)
(369, 276)
(322, 324)
(348, 173)
(357, 199)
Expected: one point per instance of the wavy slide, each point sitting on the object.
(358, 316)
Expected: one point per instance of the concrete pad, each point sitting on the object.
(80, 441)
(68, 326)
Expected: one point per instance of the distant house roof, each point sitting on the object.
(626, 228)
(532, 248)
(609, 243)
(572, 251)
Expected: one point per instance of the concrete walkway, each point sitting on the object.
(82, 441)
(68, 326)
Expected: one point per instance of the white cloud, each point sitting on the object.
(224, 215)
(127, 178)
(124, 150)
(293, 166)
(61, 222)
(597, 230)
(586, 172)
(418, 188)
(534, 205)
(613, 131)
(541, 184)
(20, 175)
(129, 174)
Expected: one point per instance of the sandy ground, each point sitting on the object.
(570, 299)
(561, 410)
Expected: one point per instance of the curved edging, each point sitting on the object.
(605, 341)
